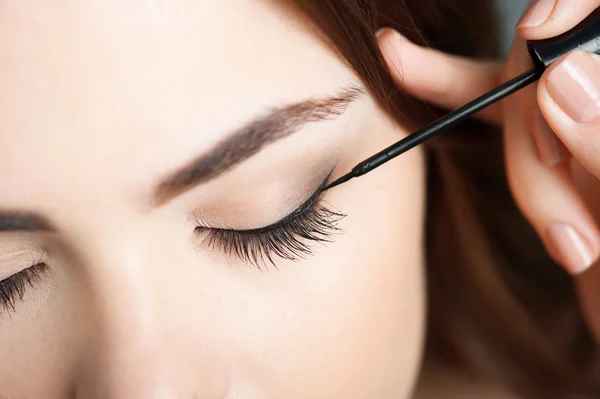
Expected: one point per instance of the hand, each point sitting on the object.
(552, 153)
(562, 113)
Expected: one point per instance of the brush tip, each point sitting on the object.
(339, 181)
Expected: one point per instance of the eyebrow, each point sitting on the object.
(242, 144)
(23, 221)
(248, 140)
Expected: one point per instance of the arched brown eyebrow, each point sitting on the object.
(250, 139)
(238, 147)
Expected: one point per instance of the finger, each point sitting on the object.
(443, 80)
(542, 187)
(569, 98)
(549, 18)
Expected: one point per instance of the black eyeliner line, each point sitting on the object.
(303, 208)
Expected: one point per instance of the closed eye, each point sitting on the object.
(290, 238)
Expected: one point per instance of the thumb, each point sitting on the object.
(441, 79)
(549, 18)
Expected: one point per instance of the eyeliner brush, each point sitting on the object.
(439, 126)
(585, 36)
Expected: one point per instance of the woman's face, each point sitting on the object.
(144, 149)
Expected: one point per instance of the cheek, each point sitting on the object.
(348, 322)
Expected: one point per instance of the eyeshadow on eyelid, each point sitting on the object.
(290, 238)
(257, 208)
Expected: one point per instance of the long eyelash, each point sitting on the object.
(287, 239)
(14, 287)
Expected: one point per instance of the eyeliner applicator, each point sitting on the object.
(585, 36)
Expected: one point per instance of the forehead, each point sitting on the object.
(117, 91)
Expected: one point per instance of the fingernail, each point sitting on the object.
(392, 33)
(391, 44)
(569, 248)
(574, 85)
(537, 13)
(550, 149)
(381, 32)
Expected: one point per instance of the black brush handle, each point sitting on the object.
(585, 36)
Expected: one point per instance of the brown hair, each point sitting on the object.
(496, 301)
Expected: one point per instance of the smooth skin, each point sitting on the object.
(99, 100)
(551, 131)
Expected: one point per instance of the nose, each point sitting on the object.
(146, 338)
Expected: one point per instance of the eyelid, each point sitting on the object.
(306, 205)
(16, 261)
(290, 241)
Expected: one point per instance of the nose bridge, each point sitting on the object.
(143, 344)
